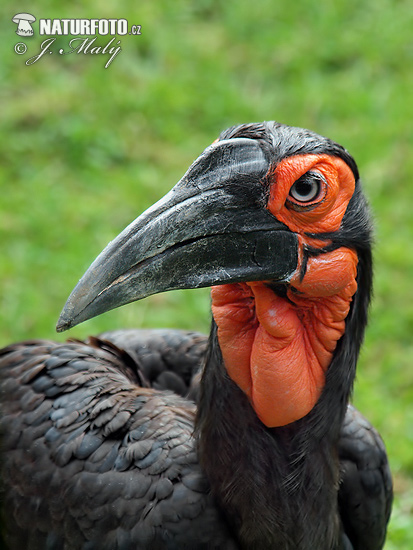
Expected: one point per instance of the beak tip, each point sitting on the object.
(66, 320)
(63, 324)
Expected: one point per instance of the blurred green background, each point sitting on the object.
(85, 149)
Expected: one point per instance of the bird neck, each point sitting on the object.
(279, 486)
(274, 484)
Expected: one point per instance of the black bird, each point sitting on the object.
(167, 440)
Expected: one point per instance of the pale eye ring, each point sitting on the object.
(307, 188)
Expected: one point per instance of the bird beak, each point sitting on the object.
(212, 228)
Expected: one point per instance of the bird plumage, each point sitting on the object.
(154, 439)
(94, 456)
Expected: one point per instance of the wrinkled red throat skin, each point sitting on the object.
(278, 349)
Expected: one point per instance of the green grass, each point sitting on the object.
(84, 150)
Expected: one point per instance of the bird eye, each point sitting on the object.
(307, 188)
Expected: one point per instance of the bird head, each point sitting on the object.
(274, 219)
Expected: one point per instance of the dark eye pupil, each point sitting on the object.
(304, 188)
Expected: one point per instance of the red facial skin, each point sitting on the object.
(276, 349)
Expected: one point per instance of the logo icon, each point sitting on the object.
(24, 21)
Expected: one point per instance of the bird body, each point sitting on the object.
(115, 462)
(166, 439)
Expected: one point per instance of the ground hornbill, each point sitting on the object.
(167, 440)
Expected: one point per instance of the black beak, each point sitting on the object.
(211, 228)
